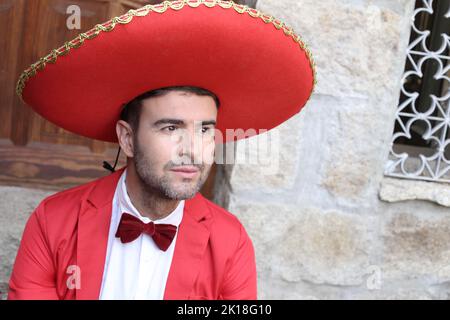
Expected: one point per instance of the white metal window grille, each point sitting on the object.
(420, 148)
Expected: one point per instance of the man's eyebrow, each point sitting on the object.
(206, 123)
(181, 122)
(168, 121)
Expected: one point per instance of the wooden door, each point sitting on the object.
(33, 152)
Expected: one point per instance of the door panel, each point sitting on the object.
(34, 152)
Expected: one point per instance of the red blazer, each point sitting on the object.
(213, 258)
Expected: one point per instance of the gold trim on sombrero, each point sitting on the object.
(159, 8)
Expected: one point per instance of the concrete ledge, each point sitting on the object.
(395, 190)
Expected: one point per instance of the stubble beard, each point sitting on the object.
(164, 185)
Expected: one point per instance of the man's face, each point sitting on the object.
(174, 146)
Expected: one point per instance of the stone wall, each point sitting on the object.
(319, 225)
(16, 205)
(327, 224)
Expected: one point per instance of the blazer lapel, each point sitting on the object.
(93, 230)
(191, 242)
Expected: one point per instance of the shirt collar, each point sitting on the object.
(125, 205)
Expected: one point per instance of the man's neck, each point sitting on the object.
(149, 204)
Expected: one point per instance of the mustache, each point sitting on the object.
(172, 164)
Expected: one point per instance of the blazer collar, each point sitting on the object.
(103, 193)
(104, 188)
(192, 241)
(93, 231)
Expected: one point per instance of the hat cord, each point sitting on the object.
(107, 166)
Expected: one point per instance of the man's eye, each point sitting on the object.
(205, 129)
(170, 128)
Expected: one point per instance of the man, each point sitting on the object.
(144, 232)
(155, 188)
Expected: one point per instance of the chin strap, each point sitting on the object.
(107, 166)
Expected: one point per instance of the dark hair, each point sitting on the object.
(131, 111)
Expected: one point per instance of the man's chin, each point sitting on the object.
(180, 193)
(182, 196)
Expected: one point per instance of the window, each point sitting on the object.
(420, 147)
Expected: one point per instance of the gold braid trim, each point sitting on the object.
(159, 8)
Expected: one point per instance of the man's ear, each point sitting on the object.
(125, 137)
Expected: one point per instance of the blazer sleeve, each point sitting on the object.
(240, 278)
(33, 274)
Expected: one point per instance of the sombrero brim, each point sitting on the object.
(261, 71)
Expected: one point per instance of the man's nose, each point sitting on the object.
(191, 143)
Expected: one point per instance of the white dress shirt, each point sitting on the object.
(138, 269)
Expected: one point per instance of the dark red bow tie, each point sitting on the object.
(130, 228)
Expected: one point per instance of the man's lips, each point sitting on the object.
(186, 171)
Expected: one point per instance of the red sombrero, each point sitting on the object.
(259, 68)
